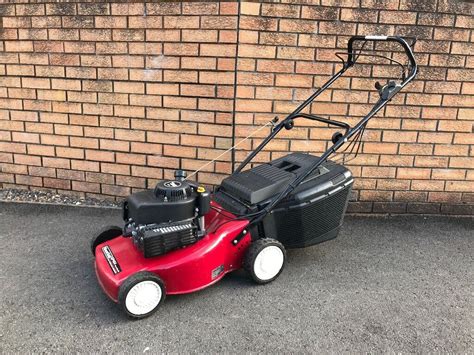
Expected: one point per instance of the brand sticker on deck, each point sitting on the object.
(217, 271)
(114, 265)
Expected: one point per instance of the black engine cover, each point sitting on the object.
(164, 204)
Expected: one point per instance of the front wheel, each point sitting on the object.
(141, 294)
(264, 260)
(108, 233)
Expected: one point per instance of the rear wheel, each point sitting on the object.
(141, 294)
(264, 260)
(108, 233)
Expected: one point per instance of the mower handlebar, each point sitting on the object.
(386, 95)
(351, 57)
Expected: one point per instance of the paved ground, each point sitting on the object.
(401, 284)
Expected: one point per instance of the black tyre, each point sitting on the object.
(141, 294)
(108, 233)
(264, 260)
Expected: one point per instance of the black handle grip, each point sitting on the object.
(398, 39)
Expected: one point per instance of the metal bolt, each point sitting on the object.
(234, 241)
(244, 232)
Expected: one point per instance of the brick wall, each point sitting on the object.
(103, 99)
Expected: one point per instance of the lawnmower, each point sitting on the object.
(180, 238)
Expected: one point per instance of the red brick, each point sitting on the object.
(25, 137)
(131, 159)
(214, 77)
(83, 120)
(128, 35)
(464, 138)
(411, 196)
(416, 149)
(147, 172)
(435, 162)
(84, 165)
(27, 159)
(100, 178)
(120, 169)
(461, 74)
(413, 173)
(200, 8)
(131, 181)
(217, 50)
(99, 86)
(53, 139)
(115, 190)
(29, 180)
(392, 184)
(295, 53)
(435, 137)
(112, 22)
(383, 172)
(462, 186)
(369, 195)
(56, 163)
(21, 93)
(249, 8)
(98, 155)
(53, 95)
(396, 160)
(81, 142)
(228, 36)
(215, 104)
(461, 162)
(394, 17)
(114, 145)
(14, 169)
(39, 150)
(180, 76)
(383, 148)
(85, 186)
(436, 19)
(253, 105)
(180, 102)
(20, 70)
(73, 153)
(198, 90)
(129, 135)
(6, 158)
(181, 22)
(57, 183)
(146, 148)
(444, 197)
(112, 48)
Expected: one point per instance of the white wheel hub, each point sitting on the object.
(268, 262)
(143, 297)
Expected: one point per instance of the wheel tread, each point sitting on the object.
(107, 233)
(127, 285)
(253, 250)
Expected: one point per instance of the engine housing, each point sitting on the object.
(166, 218)
(158, 239)
(170, 201)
